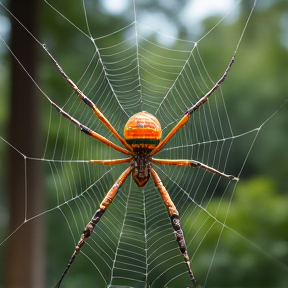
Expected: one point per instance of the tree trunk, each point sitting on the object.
(25, 254)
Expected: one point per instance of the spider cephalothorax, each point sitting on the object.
(141, 141)
(140, 169)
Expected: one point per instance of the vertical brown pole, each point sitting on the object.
(24, 265)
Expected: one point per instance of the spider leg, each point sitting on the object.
(175, 221)
(95, 219)
(87, 101)
(111, 162)
(195, 107)
(90, 132)
(202, 100)
(192, 163)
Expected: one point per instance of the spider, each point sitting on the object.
(142, 140)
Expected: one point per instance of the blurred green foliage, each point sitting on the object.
(252, 250)
(253, 245)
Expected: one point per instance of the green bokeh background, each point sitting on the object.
(252, 249)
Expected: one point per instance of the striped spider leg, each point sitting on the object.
(175, 222)
(87, 101)
(95, 219)
(192, 163)
(195, 107)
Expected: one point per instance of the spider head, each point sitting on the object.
(143, 131)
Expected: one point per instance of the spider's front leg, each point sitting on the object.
(88, 102)
(95, 219)
(195, 107)
(175, 221)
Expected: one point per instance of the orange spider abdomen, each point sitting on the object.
(143, 130)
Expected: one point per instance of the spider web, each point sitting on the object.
(139, 67)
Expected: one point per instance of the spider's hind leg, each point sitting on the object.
(175, 221)
(95, 219)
